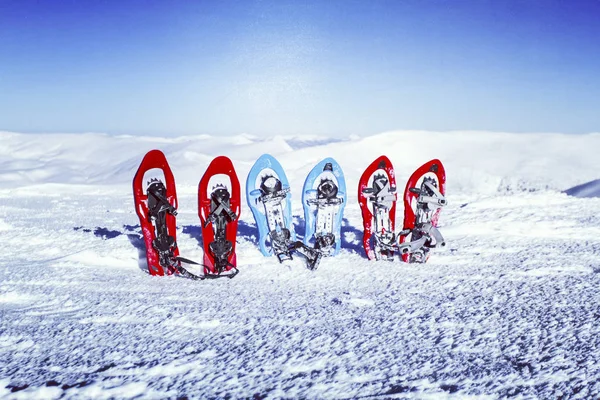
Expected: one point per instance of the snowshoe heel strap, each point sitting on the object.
(221, 250)
(312, 256)
(386, 241)
(325, 242)
(411, 247)
(434, 233)
(284, 256)
(162, 244)
(279, 242)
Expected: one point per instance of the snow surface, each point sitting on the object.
(510, 308)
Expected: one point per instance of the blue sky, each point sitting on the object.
(333, 68)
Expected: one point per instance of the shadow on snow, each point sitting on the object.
(351, 236)
(585, 190)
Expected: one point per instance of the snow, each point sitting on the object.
(509, 308)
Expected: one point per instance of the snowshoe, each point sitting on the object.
(324, 199)
(377, 199)
(424, 197)
(269, 197)
(219, 210)
(156, 207)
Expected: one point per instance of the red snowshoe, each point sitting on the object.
(156, 207)
(219, 209)
(377, 199)
(423, 198)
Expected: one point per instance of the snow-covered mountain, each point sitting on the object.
(510, 307)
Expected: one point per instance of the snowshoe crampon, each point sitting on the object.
(424, 196)
(156, 207)
(377, 199)
(219, 209)
(324, 199)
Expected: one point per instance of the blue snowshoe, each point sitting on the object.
(324, 199)
(269, 198)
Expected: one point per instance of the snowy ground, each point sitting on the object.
(510, 308)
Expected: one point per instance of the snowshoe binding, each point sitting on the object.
(324, 199)
(158, 209)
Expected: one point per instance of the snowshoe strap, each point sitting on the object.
(231, 273)
(326, 202)
(162, 203)
(387, 198)
(377, 197)
(284, 256)
(312, 256)
(411, 247)
(279, 241)
(184, 272)
(186, 260)
(188, 274)
(432, 200)
(387, 241)
(325, 243)
(217, 211)
(436, 198)
(221, 249)
(274, 197)
(433, 233)
(428, 236)
(283, 248)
